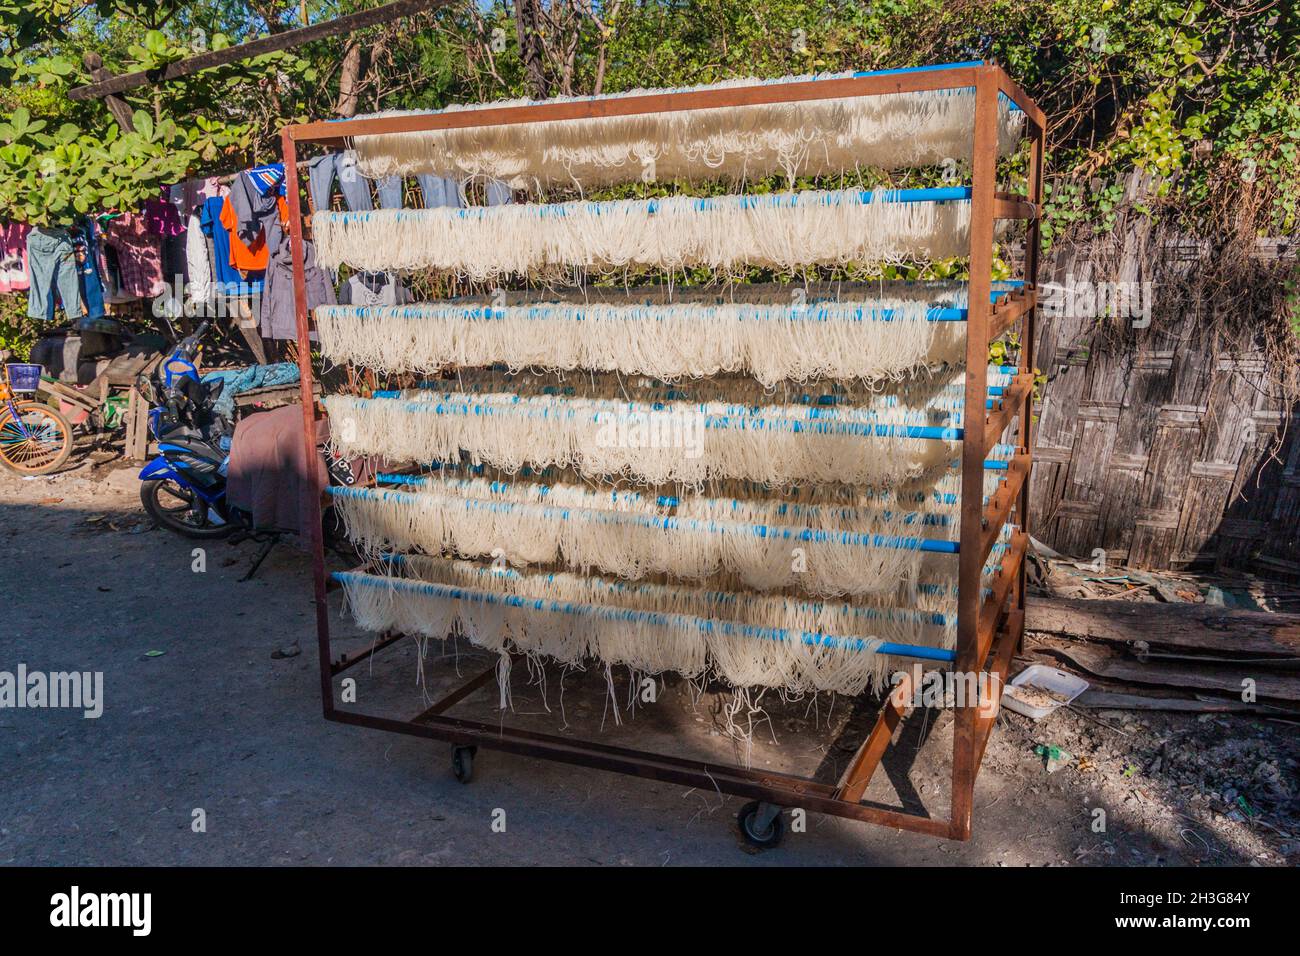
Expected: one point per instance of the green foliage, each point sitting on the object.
(60, 158)
(17, 331)
(50, 177)
(1201, 95)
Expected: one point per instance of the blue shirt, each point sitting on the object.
(229, 279)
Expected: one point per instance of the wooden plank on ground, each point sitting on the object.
(1186, 626)
(1107, 700)
(1110, 665)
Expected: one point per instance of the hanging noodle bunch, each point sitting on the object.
(748, 640)
(775, 230)
(678, 442)
(809, 138)
(874, 339)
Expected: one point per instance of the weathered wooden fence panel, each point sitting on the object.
(1149, 444)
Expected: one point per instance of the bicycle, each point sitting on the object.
(35, 439)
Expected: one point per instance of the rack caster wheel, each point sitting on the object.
(761, 824)
(462, 763)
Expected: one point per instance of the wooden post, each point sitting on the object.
(94, 63)
(137, 427)
(1033, 241)
(349, 23)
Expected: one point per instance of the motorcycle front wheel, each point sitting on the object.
(179, 509)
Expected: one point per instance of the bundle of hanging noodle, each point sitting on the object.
(807, 138)
(873, 339)
(681, 442)
(780, 231)
(748, 640)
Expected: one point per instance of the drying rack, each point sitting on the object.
(989, 626)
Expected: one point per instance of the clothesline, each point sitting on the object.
(209, 238)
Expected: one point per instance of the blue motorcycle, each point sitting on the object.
(184, 488)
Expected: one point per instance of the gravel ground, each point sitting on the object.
(201, 721)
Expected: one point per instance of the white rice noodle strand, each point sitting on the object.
(776, 230)
(807, 138)
(874, 339)
(686, 445)
(635, 544)
(749, 640)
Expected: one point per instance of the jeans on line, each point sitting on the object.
(321, 172)
(439, 191)
(52, 267)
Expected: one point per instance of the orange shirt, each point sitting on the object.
(248, 258)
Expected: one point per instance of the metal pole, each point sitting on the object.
(311, 494)
(970, 560)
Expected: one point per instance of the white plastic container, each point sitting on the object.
(1048, 678)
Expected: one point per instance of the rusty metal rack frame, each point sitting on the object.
(989, 628)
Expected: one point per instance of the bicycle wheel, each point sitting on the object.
(37, 442)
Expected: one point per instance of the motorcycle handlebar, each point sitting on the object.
(189, 345)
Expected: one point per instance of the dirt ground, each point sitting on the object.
(202, 712)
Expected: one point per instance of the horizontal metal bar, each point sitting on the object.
(457, 695)
(344, 662)
(787, 790)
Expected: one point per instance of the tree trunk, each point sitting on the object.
(528, 25)
(349, 81)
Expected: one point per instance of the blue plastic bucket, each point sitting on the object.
(24, 377)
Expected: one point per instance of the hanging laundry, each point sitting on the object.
(13, 256)
(193, 192)
(229, 280)
(321, 173)
(390, 192)
(51, 271)
(268, 178)
(111, 272)
(160, 216)
(198, 266)
(139, 255)
(278, 318)
(439, 191)
(250, 255)
(89, 279)
(373, 288)
(251, 207)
